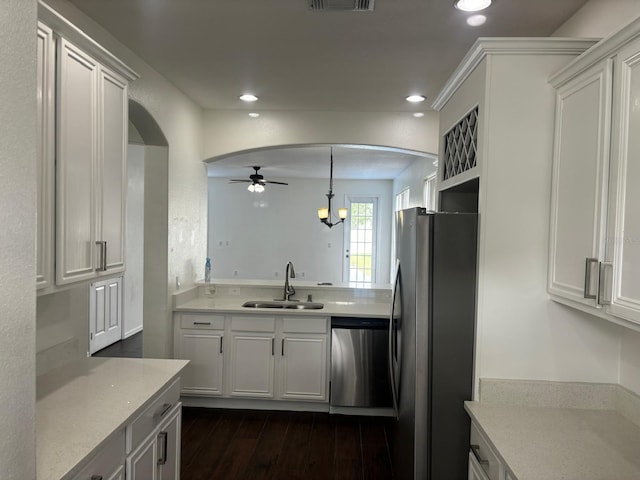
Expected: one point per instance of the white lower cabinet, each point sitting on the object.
(484, 463)
(158, 457)
(254, 356)
(304, 359)
(153, 439)
(200, 340)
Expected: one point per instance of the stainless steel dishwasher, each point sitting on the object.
(359, 363)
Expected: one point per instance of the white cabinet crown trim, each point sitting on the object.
(68, 30)
(604, 48)
(506, 46)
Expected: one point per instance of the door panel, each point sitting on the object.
(105, 313)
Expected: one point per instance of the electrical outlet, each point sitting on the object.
(235, 273)
(234, 292)
(209, 290)
(275, 274)
(301, 274)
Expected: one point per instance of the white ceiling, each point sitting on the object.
(297, 59)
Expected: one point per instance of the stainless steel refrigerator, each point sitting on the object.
(431, 343)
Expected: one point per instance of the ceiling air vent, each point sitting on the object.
(342, 5)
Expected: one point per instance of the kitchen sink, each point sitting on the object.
(283, 304)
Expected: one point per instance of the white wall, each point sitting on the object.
(133, 292)
(181, 122)
(257, 234)
(599, 18)
(17, 238)
(227, 131)
(413, 177)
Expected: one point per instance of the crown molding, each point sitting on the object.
(69, 31)
(603, 49)
(485, 46)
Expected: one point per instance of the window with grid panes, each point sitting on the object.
(361, 269)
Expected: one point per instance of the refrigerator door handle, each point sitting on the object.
(394, 389)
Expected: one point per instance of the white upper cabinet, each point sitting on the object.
(579, 183)
(113, 181)
(87, 108)
(623, 241)
(46, 151)
(77, 165)
(594, 260)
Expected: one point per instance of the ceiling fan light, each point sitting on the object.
(258, 188)
(323, 213)
(251, 188)
(342, 213)
(472, 5)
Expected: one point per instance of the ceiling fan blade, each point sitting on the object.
(277, 183)
(238, 180)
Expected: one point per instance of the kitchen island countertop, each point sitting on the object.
(79, 406)
(544, 443)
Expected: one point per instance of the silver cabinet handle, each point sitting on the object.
(202, 323)
(221, 338)
(588, 266)
(102, 267)
(273, 346)
(282, 348)
(604, 286)
(165, 408)
(162, 448)
(476, 453)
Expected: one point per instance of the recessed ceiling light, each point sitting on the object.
(248, 97)
(254, 115)
(415, 98)
(418, 114)
(476, 20)
(472, 5)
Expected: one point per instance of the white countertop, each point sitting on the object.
(233, 305)
(80, 405)
(543, 443)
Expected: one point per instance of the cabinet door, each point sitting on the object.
(76, 163)
(252, 364)
(46, 160)
(113, 107)
(168, 444)
(579, 184)
(623, 241)
(304, 367)
(143, 463)
(204, 349)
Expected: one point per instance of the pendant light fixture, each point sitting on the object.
(324, 213)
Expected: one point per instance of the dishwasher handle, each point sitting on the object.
(360, 323)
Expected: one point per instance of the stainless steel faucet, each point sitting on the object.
(289, 291)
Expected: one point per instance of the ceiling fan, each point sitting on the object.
(257, 181)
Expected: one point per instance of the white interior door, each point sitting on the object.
(105, 313)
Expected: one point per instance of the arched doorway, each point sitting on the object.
(145, 286)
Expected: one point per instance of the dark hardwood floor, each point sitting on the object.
(129, 347)
(247, 444)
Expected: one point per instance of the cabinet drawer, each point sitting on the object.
(152, 416)
(305, 325)
(213, 322)
(486, 458)
(253, 324)
(106, 462)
